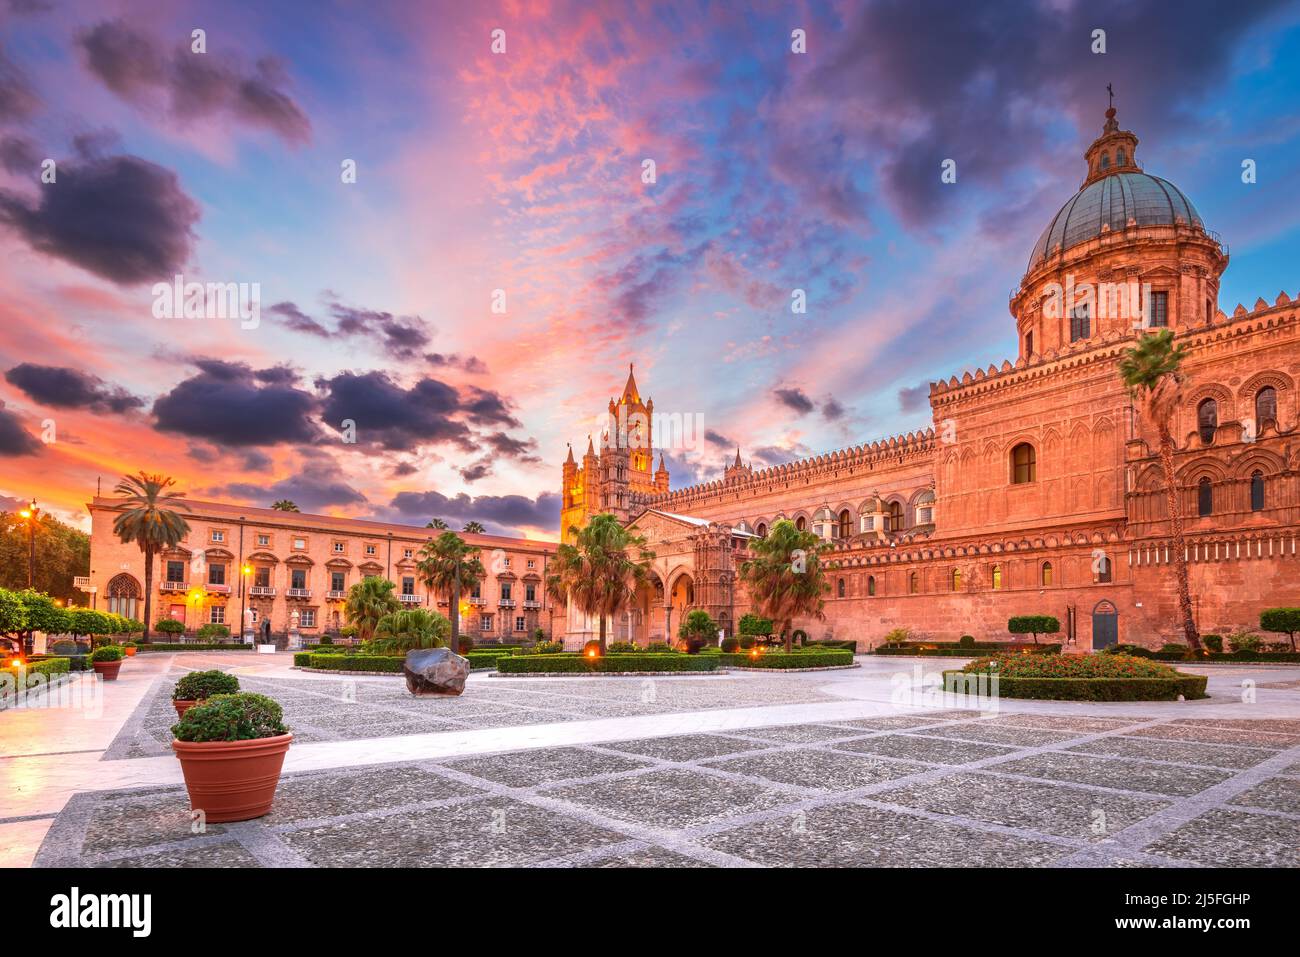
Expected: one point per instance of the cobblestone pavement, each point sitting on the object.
(907, 790)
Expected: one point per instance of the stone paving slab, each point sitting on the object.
(917, 748)
(1180, 752)
(1119, 774)
(1229, 838)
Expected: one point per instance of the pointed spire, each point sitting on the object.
(591, 449)
(630, 393)
(569, 460)
(737, 456)
(661, 463)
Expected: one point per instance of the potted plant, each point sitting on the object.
(231, 750)
(699, 629)
(107, 661)
(129, 648)
(198, 686)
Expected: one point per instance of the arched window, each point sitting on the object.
(801, 523)
(1265, 406)
(846, 524)
(1204, 496)
(997, 577)
(1120, 157)
(1207, 419)
(1046, 577)
(839, 588)
(1105, 161)
(1103, 569)
(913, 583)
(895, 516)
(1257, 491)
(954, 579)
(871, 584)
(761, 530)
(1024, 464)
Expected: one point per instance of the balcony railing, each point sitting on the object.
(173, 586)
(336, 594)
(475, 600)
(507, 603)
(532, 604)
(268, 590)
(217, 589)
(409, 599)
(297, 593)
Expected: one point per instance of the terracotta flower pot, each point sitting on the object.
(130, 652)
(107, 669)
(232, 780)
(182, 705)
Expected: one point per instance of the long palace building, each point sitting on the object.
(1037, 490)
(292, 568)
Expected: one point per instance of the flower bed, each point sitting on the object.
(1081, 678)
(951, 649)
(621, 664)
(798, 660)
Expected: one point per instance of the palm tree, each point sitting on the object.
(1151, 371)
(408, 629)
(601, 570)
(150, 517)
(285, 505)
(785, 576)
(368, 601)
(435, 523)
(474, 528)
(448, 564)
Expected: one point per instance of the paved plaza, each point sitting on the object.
(744, 769)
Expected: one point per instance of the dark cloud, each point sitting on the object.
(456, 361)
(488, 408)
(295, 320)
(499, 513)
(522, 449)
(912, 398)
(472, 473)
(14, 439)
(19, 155)
(18, 101)
(64, 388)
(122, 218)
(832, 410)
(718, 439)
(195, 85)
(232, 404)
(795, 399)
(320, 485)
(392, 417)
(402, 337)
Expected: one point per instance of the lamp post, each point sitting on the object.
(30, 514)
(244, 571)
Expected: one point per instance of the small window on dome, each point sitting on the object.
(1105, 161)
(1120, 159)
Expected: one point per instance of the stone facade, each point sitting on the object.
(304, 563)
(1037, 490)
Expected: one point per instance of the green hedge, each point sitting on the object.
(800, 659)
(45, 666)
(969, 651)
(198, 646)
(391, 664)
(1089, 689)
(571, 664)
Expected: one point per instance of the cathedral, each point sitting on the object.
(1037, 490)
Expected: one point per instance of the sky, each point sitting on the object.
(547, 192)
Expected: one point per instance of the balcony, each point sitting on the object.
(532, 604)
(262, 590)
(217, 589)
(336, 595)
(409, 599)
(507, 603)
(297, 593)
(173, 586)
(476, 600)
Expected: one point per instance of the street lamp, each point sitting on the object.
(30, 514)
(244, 571)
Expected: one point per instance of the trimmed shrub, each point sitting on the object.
(1243, 641)
(1282, 621)
(659, 648)
(302, 659)
(799, 635)
(1092, 689)
(169, 626)
(198, 685)
(108, 653)
(1071, 666)
(731, 644)
(212, 632)
(390, 664)
(197, 646)
(814, 658)
(548, 648)
(752, 626)
(580, 664)
(1213, 642)
(898, 636)
(966, 641)
(1133, 651)
(232, 717)
(1033, 625)
(623, 648)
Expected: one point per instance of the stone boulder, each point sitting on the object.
(435, 671)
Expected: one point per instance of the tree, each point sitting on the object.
(601, 570)
(1151, 371)
(368, 601)
(1281, 620)
(408, 629)
(13, 620)
(285, 505)
(150, 517)
(449, 565)
(1033, 625)
(698, 629)
(62, 553)
(785, 576)
(474, 528)
(435, 523)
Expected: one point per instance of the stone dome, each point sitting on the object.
(1110, 203)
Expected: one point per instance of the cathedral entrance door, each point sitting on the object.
(1105, 626)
